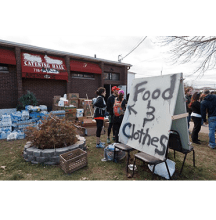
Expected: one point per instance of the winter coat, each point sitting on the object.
(196, 107)
(110, 103)
(209, 104)
(99, 108)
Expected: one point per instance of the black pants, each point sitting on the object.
(111, 126)
(116, 127)
(117, 120)
(99, 124)
(197, 126)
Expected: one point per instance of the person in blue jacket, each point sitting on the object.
(209, 105)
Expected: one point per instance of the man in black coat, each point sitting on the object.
(110, 103)
(209, 105)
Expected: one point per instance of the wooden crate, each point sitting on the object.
(73, 160)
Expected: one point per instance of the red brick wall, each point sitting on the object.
(85, 86)
(45, 90)
(8, 88)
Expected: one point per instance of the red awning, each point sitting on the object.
(7, 56)
(80, 66)
(43, 67)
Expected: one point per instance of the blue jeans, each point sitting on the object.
(188, 120)
(212, 126)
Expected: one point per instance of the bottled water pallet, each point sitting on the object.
(7, 111)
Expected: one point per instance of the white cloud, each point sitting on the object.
(147, 60)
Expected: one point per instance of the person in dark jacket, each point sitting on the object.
(209, 105)
(110, 103)
(196, 117)
(188, 96)
(99, 113)
(117, 120)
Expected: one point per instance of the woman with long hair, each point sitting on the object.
(119, 108)
(196, 117)
(99, 113)
(188, 96)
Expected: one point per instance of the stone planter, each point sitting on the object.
(49, 156)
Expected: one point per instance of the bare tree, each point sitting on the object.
(186, 49)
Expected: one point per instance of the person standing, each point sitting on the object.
(99, 113)
(209, 105)
(119, 108)
(196, 117)
(188, 92)
(110, 103)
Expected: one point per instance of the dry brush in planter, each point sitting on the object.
(53, 137)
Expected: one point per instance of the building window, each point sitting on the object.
(111, 76)
(83, 75)
(4, 68)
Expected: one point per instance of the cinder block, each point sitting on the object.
(47, 153)
(31, 158)
(30, 150)
(37, 153)
(50, 163)
(42, 159)
(55, 159)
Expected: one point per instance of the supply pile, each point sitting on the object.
(13, 124)
(74, 106)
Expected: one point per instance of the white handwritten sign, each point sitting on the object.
(148, 117)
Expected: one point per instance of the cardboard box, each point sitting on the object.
(91, 131)
(69, 109)
(88, 122)
(73, 96)
(87, 102)
(70, 113)
(80, 119)
(56, 99)
(81, 102)
(66, 108)
(56, 107)
(73, 102)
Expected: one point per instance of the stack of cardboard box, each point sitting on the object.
(70, 113)
(73, 99)
(78, 103)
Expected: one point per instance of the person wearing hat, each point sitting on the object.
(119, 108)
(110, 103)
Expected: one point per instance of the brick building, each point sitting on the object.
(48, 73)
